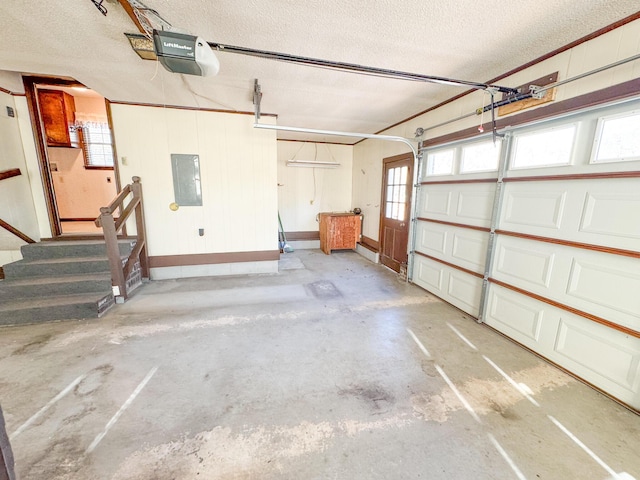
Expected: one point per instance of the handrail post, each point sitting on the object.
(113, 252)
(136, 189)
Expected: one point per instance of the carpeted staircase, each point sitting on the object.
(58, 280)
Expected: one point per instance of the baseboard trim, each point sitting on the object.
(370, 243)
(159, 261)
(307, 235)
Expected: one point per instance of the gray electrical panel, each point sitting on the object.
(186, 179)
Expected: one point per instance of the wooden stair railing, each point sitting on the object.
(120, 271)
(14, 172)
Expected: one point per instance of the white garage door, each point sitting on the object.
(539, 237)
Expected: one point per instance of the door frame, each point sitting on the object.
(30, 82)
(410, 158)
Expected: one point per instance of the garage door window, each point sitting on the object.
(544, 148)
(441, 162)
(480, 157)
(617, 139)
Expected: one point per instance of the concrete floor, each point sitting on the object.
(331, 369)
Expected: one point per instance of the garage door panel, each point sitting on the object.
(459, 288)
(540, 210)
(524, 262)
(435, 202)
(469, 249)
(429, 275)
(604, 357)
(598, 283)
(431, 239)
(509, 313)
(596, 212)
(461, 246)
(577, 341)
(614, 285)
(606, 213)
(475, 205)
(464, 291)
(468, 204)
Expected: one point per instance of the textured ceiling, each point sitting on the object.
(459, 38)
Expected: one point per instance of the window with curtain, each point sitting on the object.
(96, 144)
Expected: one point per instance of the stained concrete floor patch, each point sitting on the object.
(257, 451)
(323, 289)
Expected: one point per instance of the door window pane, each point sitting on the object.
(403, 175)
(396, 199)
(401, 209)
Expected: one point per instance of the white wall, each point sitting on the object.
(16, 204)
(238, 170)
(612, 46)
(305, 192)
(33, 167)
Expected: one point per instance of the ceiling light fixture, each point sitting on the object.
(311, 164)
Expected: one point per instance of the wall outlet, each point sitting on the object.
(11, 112)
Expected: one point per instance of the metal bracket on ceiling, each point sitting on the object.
(257, 98)
(537, 92)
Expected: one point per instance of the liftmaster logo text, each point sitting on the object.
(177, 45)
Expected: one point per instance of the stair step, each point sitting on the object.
(68, 307)
(71, 248)
(55, 267)
(54, 286)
